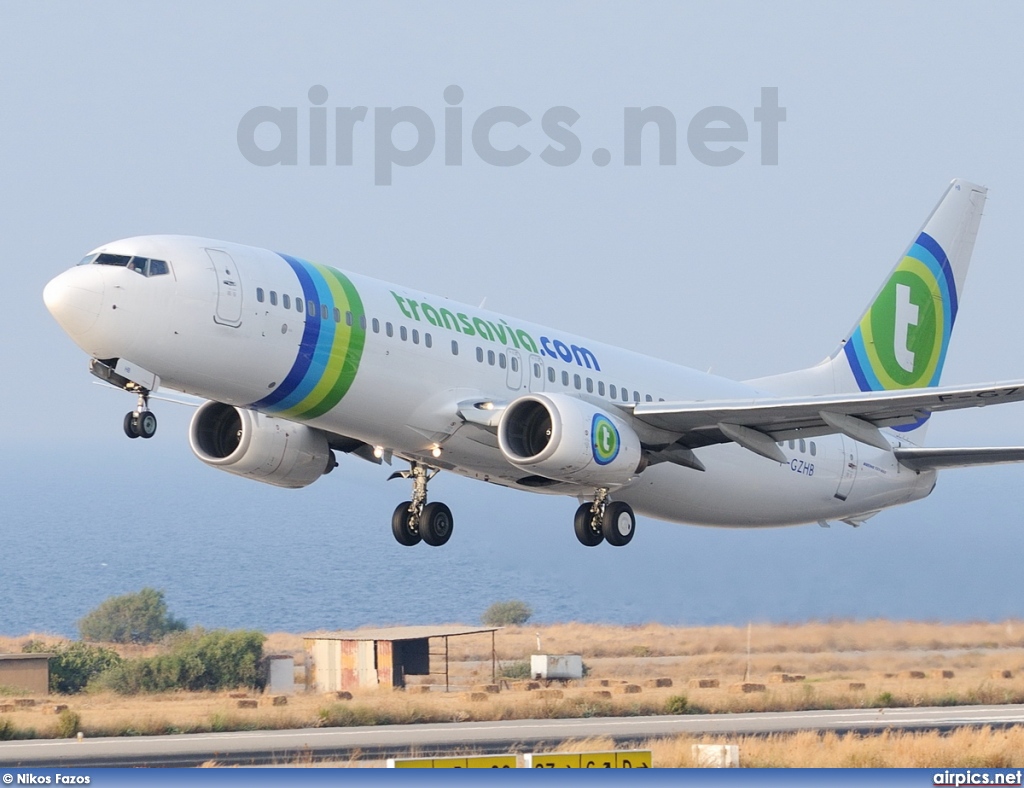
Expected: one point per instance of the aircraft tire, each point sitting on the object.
(587, 536)
(129, 425)
(436, 524)
(403, 534)
(146, 424)
(619, 523)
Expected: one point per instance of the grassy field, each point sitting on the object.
(817, 665)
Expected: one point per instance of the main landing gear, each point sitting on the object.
(141, 422)
(604, 521)
(417, 520)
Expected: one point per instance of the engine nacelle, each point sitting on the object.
(256, 446)
(560, 437)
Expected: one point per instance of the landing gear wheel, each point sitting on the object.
(403, 533)
(129, 425)
(618, 523)
(145, 424)
(584, 530)
(436, 524)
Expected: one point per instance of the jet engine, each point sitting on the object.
(260, 447)
(564, 438)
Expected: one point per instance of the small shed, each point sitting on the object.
(380, 657)
(26, 672)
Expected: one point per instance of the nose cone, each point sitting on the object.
(74, 299)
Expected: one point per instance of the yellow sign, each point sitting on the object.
(619, 759)
(471, 762)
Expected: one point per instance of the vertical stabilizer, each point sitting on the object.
(900, 341)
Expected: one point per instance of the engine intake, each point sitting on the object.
(256, 446)
(567, 439)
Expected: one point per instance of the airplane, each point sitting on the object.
(298, 361)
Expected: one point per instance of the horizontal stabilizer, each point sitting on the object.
(936, 459)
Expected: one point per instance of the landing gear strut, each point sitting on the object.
(141, 422)
(604, 520)
(417, 520)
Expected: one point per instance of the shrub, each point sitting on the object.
(512, 613)
(677, 704)
(74, 665)
(515, 670)
(199, 660)
(132, 618)
(68, 724)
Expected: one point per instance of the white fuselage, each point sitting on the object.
(216, 334)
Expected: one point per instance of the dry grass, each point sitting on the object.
(832, 655)
(961, 749)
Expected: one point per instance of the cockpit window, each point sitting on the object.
(112, 259)
(88, 259)
(140, 265)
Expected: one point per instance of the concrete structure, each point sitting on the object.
(29, 673)
(280, 673)
(338, 661)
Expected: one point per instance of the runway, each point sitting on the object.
(282, 747)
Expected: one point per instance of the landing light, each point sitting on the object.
(378, 451)
(436, 451)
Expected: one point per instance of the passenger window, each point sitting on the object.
(259, 294)
(427, 340)
(158, 268)
(648, 398)
(389, 329)
(415, 337)
(404, 333)
(286, 301)
(337, 315)
(600, 388)
(362, 322)
(577, 382)
(312, 307)
(455, 348)
(348, 318)
(376, 326)
(803, 446)
(501, 360)
(814, 450)
(551, 374)
(480, 354)
(565, 378)
(536, 370)
(273, 298)
(490, 357)
(792, 444)
(636, 396)
(590, 386)
(324, 312)
(613, 392)
(298, 305)
(515, 363)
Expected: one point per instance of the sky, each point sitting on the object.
(121, 119)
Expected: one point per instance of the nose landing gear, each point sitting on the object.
(141, 422)
(417, 520)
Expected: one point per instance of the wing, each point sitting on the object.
(757, 424)
(936, 459)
